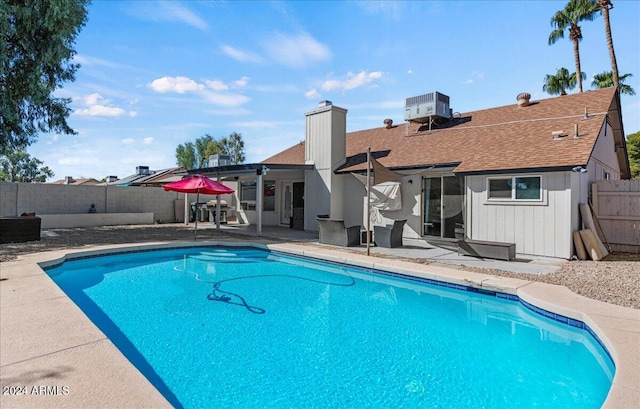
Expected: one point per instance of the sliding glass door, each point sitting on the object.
(443, 206)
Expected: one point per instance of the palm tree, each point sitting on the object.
(607, 5)
(606, 80)
(561, 82)
(574, 12)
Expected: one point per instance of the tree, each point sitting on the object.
(36, 43)
(633, 150)
(574, 12)
(233, 145)
(186, 155)
(606, 80)
(18, 166)
(195, 155)
(561, 82)
(605, 6)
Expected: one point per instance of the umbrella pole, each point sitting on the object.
(195, 234)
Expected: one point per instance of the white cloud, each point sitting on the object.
(312, 94)
(239, 55)
(352, 81)
(77, 160)
(261, 124)
(175, 84)
(476, 75)
(241, 83)
(177, 12)
(209, 91)
(393, 8)
(296, 51)
(409, 71)
(216, 85)
(127, 141)
(167, 11)
(228, 100)
(95, 105)
(147, 140)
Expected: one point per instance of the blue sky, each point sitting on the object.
(156, 74)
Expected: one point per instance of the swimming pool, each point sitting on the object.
(250, 328)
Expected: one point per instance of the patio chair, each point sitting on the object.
(390, 235)
(334, 232)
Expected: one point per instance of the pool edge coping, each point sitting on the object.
(617, 327)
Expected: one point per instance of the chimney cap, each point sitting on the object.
(325, 103)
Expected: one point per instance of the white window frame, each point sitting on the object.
(512, 200)
(250, 205)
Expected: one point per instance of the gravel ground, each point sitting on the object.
(615, 280)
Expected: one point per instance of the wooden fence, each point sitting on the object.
(616, 205)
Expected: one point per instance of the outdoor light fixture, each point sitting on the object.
(580, 169)
(263, 171)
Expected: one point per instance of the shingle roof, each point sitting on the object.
(82, 181)
(497, 139)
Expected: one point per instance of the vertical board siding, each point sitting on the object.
(616, 205)
(536, 229)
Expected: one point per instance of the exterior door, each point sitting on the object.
(443, 206)
(297, 221)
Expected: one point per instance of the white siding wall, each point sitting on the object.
(536, 229)
(355, 211)
(604, 157)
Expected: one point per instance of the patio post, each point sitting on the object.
(259, 193)
(368, 201)
(218, 207)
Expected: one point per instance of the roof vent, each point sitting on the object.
(325, 103)
(424, 107)
(523, 99)
(388, 123)
(68, 180)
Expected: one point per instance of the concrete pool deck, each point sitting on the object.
(53, 355)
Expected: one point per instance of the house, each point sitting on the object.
(147, 177)
(69, 180)
(512, 174)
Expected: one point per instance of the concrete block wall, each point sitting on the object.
(16, 198)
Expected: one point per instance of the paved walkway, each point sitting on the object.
(412, 248)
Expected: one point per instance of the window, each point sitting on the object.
(248, 195)
(515, 188)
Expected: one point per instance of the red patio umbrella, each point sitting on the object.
(198, 184)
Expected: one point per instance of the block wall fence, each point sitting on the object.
(18, 198)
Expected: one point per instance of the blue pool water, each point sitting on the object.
(246, 328)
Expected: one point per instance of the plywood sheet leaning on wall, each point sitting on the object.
(581, 252)
(587, 221)
(590, 242)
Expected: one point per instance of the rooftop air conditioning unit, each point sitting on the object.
(219, 160)
(142, 170)
(424, 107)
